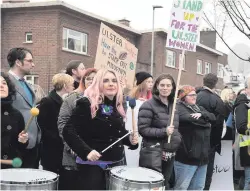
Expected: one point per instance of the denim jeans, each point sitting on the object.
(247, 178)
(189, 177)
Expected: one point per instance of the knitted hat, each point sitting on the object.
(185, 90)
(141, 76)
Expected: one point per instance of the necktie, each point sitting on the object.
(26, 90)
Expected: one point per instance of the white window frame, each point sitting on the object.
(32, 80)
(208, 68)
(26, 37)
(184, 61)
(83, 35)
(173, 64)
(220, 72)
(199, 66)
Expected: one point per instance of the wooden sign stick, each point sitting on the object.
(176, 91)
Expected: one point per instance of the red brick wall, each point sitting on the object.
(43, 25)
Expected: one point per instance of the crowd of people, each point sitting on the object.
(87, 110)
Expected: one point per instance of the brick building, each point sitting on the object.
(57, 32)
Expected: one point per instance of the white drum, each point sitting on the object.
(135, 178)
(28, 179)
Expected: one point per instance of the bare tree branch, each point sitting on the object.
(244, 21)
(246, 4)
(208, 21)
(230, 15)
(244, 11)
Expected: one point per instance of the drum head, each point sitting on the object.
(137, 174)
(22, 175)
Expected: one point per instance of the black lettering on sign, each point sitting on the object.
(117, 69)
(112, 37)
(220, 169)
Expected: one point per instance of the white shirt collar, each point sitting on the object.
(13, 74)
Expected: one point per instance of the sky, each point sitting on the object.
(139, 12)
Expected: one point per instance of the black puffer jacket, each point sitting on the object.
(195, 135)
(241, 107)
(154, 117)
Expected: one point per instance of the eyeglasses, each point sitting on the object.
(30, 61)
(192, 95)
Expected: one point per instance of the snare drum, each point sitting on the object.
(28, 179)
(138, 178)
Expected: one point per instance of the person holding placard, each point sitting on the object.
(242, 124)
(153, 125)
(95, 124)
(192, 157)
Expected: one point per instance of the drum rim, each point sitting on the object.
(39, 182)
(137, 181)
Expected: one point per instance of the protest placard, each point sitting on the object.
(184, 31)
(117, 54)
(183, 34)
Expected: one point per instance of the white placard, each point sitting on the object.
(223, 168)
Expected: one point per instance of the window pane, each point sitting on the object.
(84, 43)
(74, 34)
(170, 58)
(74, 44)
(65, 38)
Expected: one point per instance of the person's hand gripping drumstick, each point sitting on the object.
(16, 162)
(134, 135)
(34, 112)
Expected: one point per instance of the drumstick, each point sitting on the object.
(132, 104)
(34, 112)
(117, 141)
(16, 162)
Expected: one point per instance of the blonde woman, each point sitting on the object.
(52, 147)
(96, 122)
(139, 94)
(227, 95)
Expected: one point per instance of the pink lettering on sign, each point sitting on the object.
(181, 45)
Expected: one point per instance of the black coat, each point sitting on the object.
(12, 123)
(195, 135)
(52, 145)
(83, 133)
(213, 104)
(153, 118)
(241, 107)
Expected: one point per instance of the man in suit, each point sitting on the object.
(21, 63)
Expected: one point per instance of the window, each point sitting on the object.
(75, 41)
(28, 37)
(184, 61)
(199, 66)
(170, 59)
(208, 67)
(220, 72)
(32, 79)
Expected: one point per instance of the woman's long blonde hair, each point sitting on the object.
(225, 94)
(138, 89)
(95, 91)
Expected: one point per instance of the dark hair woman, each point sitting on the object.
(154, 126)
(13, 139)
